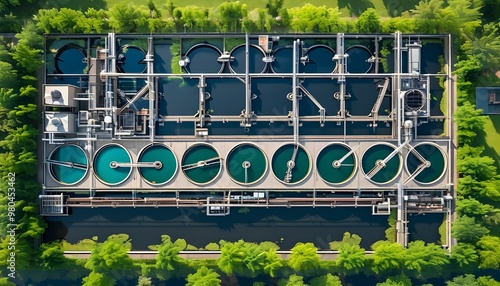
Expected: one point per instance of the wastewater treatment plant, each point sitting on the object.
(262, 137)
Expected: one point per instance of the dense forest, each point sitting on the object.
(474, 25)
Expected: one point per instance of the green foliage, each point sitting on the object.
(369, 21)
(466, 230)
(488, 252)
(304, 257)
(399, 280)
(268, 245)
(144, 281)
(351, 257)
(469, 123)
(5, 281)
(464, 255)
(228, 16)
(84, 244)
(326, 280)
(212, 246)
(110, 255)
(203, 277)
(388, 256)
(51, 256)
(127, 18)
(168, 255)
(293, 280)
(232, 257)
(273, 262)
(98, 279)
(353, 239)
(8, 78)
(425, 260)
(180, 243)
(274, 6)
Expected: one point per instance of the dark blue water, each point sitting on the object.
(320, 60)
(256, 65)
(357, 61)
(203, 59)
(163, 59)
(283, 226)
(364, 93)
(131, 60)
(71, 59)
(227, 96)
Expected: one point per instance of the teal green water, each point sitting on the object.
(68, 154)
(380, 152)
(166, 157)
(283, 155)
(432, 154)
(201, 174)
(326, 158)
(102, 168)
(239, 156)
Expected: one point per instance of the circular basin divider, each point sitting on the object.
(246, 163)
(291, 163)
(201, 163)
(203, 58)
(68, 164)
(358, 60)
(320, 60)
(256, 54)
(163, 164)
(375, 169)
(337, 163)
(107, 162)
(428, 160)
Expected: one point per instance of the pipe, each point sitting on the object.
(248, 96)
(295, 86)
(152, 93)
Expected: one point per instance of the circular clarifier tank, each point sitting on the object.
(427, 161)
(203, 58)
(283, 60)
(157, 164)
(377, 166)
(246, 164)
(68, 164)
(71, 59)
(112, 164)
(131, 59)
(255, 55)
(201, 164)
(359, 59)
(336, 163)
(319, 60)
(291, 163)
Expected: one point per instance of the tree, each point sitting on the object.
(293, 280)
(272, 263)
(424, 260)
(109, 255)
(232, 257)
(387, 257)
(466, 230)
(51, 256)
(98, 279)
(304, 257)
(369, 21)
(399, 280)
(465, 255)
(488, 252)
(326, 280)
(94, 21)
(168, 255)
(170, 7)
(351, 257)
(467, 280)
(127, 18)
(229, 15)
(8, 76)
(203, 277)
(273, 7)
(469, 123)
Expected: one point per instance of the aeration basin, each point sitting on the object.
(131, 59)
(433, 167)
(203, 59)
(283, 60)
(107, 162)
(201, 164)
(377, 167)
(255, 56)
(291, 163)
(157, 173)
(68, 164)
(319, 60)
(336, 163)
(71, 59)
(359, 59)
(246, 163)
